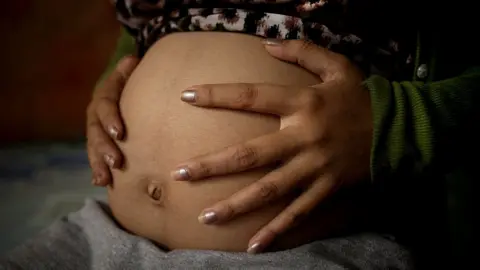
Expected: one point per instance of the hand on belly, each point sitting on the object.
(161, 131)
(323, 143)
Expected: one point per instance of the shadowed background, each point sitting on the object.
(53, 54)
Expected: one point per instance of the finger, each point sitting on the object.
(263, 98)
(292, 215)
(100, 173)
(113, 85)
(103, 145)
(108, 94)
(255, 153)
(109, 115)
(272, 187)
(312, 57)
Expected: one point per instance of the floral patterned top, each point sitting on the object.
(327, 23)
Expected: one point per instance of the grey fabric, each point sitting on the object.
(90, 239)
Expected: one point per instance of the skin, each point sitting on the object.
(324, 141)
(302, 112)
(161, 130)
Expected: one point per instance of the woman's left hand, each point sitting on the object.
(323, 143)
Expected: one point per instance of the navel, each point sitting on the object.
(155, 191)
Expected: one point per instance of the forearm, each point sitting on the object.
(419, 125)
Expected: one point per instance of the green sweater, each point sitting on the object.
(427, 129)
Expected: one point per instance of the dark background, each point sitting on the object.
(53, 52)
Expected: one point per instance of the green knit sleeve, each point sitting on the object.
(125, 46)
(423, 125)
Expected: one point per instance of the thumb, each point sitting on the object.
(308, 55)
(113, 85)
(126, 65)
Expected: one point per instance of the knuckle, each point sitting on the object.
(103, 145)
(245, 157)
(293, 218)
(97, 105)
(247, 96)
(316, 136)
(91, 138)
(202, 169)
(94, 131)
(99, 151)
(311, 100)
(113, 151)
(107, 111)
(121, 76)
(312, 103)
(342, 61)
(304, 47)
(268, 191)
(272, 230)
(340, 64)
(92, 124)
(109, 116)
(207, 92)
(116, 78)
(105, 102)
(101, 173)
(98, 167)
(228, 211)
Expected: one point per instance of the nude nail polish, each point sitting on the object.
(254, 248)
(97, 178)
(109, 160)
(113, 132)
(189, 96)
(207, 217)
(272, 42)
(181, 174)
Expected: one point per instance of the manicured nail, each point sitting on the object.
(97, 178)
(207, 217)
(113, 132)
(189, 96)
(272, 42)
(254, 248)
(181, 174)
(109, 160)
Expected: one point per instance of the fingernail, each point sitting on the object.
(189, 96)
(254, 248)
(181, 174)
(113, 132)
(97, 178)
(109, 160)
(207, 217)
(97, 181)
(272, 42)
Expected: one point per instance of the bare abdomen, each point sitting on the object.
(162, 131)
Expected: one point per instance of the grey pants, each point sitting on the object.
(90, 239)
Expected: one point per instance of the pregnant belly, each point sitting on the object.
(162, 131)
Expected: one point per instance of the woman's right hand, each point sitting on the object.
(104, 123)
